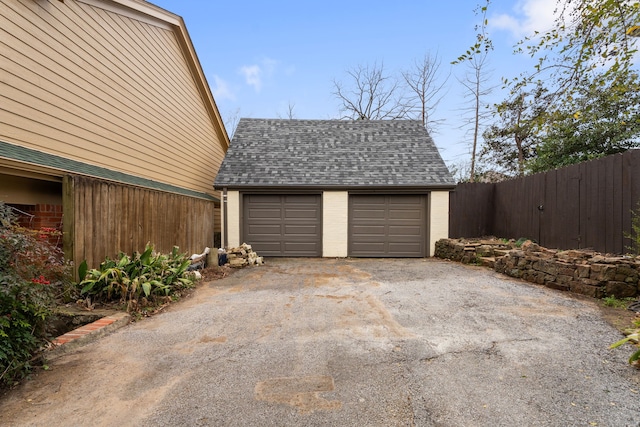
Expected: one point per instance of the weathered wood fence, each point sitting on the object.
(587, 205)
(102, 218)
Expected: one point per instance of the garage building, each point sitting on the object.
(334, 188)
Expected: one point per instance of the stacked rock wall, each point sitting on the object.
(581, 271)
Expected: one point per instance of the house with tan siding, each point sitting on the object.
(334, 188)
(108, 128)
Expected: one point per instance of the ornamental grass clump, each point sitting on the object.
(130, 279)
(34, 276)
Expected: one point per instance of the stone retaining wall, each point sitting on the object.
(581, 271)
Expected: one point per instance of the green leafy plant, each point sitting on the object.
(33, 276)
(142, 275)
(633, 336)
(612, 301)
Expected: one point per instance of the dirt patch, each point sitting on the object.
(302, 393)
(619, 318)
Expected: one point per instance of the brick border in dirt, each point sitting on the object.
(580, 271)
(89, 332)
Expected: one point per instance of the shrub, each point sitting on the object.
(33, 274)
(24, 308)
(143, 275)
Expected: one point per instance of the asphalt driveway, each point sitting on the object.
(306, 342)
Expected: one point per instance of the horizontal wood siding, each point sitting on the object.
(106, 89)
(108, 218)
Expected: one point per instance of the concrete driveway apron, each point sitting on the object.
(306, 342)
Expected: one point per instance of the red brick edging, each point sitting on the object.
(95, 328)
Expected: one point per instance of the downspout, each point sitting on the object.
(225, 242)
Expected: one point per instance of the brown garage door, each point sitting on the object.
(387, 225)
(283, 225)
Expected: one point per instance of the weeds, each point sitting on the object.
(612, 301)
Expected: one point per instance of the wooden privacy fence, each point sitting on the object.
(587, 205)
(102, 218)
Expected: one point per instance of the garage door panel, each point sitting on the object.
(404, 249)
(297, 199)
(265, 229)
(368, 248)
(405, 214)
(368, 214)
(263, 200)
(301, 213)
(269, 246)
(387, 225)
(368, 229)
(283, 225)
(264, 213)
(405, 230)
(303, 230)
(300, 247)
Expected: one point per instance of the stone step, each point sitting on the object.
(487, 261)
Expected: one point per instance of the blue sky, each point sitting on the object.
(260, 57)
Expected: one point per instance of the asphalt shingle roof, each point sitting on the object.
(332, 153)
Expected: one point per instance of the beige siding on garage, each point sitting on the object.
(439, 218)
(233, 219)
(335, 223)
(105, 88)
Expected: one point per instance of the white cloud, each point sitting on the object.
(222, 89)
(252, 76)
(529, 16)
(256, 74)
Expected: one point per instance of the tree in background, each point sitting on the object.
(290, 113)
(591, 40)
(231, 119)
(509, 142)
(371, 94)
(425, 87)
(475, 80)
(590, 107)
(596, 121)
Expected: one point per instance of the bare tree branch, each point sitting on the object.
(371, 95)
(423, 81)
(290, 114)
(476, 58)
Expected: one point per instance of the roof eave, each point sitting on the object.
(352, 188)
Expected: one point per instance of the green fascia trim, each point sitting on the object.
(28, 155)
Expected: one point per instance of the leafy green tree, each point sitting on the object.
(598, 120)
(591, 40)
(586, 96)
(509, 142)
